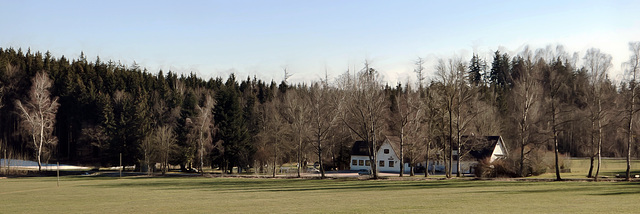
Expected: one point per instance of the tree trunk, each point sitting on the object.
(521, 170)
(459, 143)
(593, 156)
(523, 141)
(375, 157)
(592, 160)
(448, 165)
(40, 145)
(401, 152)
(201, 155)
(458, 165)
(555, 140)
(275, 160)
(320, 158)
(299, 153)
(630, 131)
(426, 164)
(599, 139)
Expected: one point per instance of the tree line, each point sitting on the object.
(543, 101)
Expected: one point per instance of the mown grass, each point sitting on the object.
(608, 168)
(78, 194)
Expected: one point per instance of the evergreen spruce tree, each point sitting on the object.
(232, 131)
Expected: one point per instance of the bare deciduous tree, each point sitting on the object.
(204, 127)
(458, 99)
(404, 120)
(322, 117)
(419, 70)
(148, 148)
(633, 67)
(295, 112)
(555, 92)
(363, 108)
(526, 92)
(39, 114)
(166, 141)
(273, 131)
(597, 65)
(433, 122)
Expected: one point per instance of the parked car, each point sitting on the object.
(364, 172)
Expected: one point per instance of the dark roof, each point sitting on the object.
(360, 148)
(481, 147)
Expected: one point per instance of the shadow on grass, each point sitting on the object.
(253, 185)
(298, 185)
(621, 188)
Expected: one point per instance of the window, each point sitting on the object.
(361, 163)
(381, 163)
(367, 162)
(386, 151)
(391, 163)
(354, 162)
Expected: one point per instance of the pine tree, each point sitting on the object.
(232, 132)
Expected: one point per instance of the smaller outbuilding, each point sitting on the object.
(477, 149)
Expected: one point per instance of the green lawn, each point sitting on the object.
(609, 168)
(253, 195)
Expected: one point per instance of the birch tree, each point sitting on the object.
(166, 143)
(295, 112)
(446, 76)
(458, 100)
(363, 108)
(556, 77)
(597, 65)
(433, 120)
(404, 118)
(39, 115)
(204, 127)
(526, 93)
(321, 116)
(273, 132)
(633, 67)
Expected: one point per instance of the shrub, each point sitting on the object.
(498, 168)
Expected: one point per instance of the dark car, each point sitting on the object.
(364, 172)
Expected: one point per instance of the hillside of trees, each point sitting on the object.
(541, 101)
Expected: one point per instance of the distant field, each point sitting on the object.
(78, 194)
(609, 168)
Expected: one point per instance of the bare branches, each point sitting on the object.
(204, 127)
(597, 65)
(363, 110)
(38, 115)
(633, 66)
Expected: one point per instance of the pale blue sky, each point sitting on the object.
(215, 38)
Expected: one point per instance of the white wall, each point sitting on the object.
(359, 165)
(497, 151)
(387, 158)
(381, 156)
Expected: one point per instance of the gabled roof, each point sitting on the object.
(360, 148)
(395, 143)
(481, 147)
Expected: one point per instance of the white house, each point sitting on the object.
(386, 158)
(486, 147)
(476, 149)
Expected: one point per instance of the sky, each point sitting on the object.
(311, 38)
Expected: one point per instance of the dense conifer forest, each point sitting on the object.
(541, 101)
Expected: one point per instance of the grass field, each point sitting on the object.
(609, 168)
(252, 195)
(87, 194)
